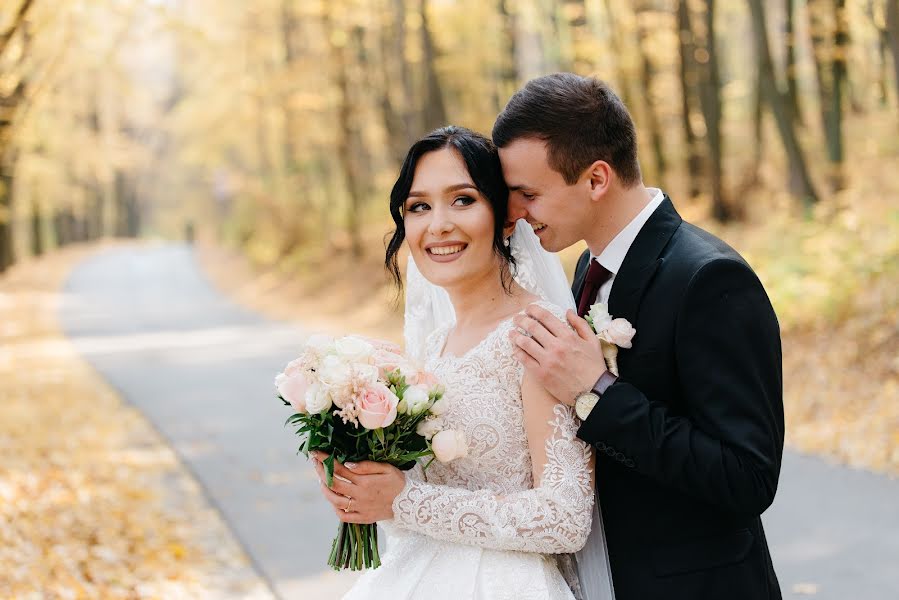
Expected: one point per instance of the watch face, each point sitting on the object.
(585, 403)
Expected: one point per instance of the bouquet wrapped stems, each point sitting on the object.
(355, 548)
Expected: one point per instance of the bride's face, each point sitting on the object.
(449, 224)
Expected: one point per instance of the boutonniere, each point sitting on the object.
(612, 333)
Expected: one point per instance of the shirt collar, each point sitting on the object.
(613, 254)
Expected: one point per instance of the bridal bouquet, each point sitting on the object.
(357, 399)
(612, 333)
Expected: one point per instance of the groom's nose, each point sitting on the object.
(516, 209)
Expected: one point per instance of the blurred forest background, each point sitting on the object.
(276, 127)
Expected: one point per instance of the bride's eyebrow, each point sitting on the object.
(452, 188)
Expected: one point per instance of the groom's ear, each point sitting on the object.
(600, 177)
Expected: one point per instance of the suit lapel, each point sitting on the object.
(580, 273)
(642, 261)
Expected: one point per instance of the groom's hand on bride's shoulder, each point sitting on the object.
(567, 361)
(361, 492)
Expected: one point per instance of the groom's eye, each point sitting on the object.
(528, 195)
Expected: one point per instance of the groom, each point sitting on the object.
(689, 438)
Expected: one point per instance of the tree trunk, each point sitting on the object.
(397, 109)
(790, 59)
(647, 73)
(710, 100)
(893, 28)
(37, 230)
(838, 80)
(689, 81)
(288, 33)
(434, 108)
(7, 257)
(348, 139)
(778, 104)
(617, 39)
(509, 77)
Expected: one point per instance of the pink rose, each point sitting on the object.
(377, 406)
(292, 385)
(383, 345)
(387, 361)
(619, 332)
(428, 379)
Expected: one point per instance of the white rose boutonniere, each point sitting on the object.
(612, 334)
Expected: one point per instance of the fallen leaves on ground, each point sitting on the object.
(93, 503)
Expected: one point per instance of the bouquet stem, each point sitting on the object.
(355, 548)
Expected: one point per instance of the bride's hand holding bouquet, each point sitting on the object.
(357, 399)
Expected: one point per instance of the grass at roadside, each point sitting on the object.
(93, 503)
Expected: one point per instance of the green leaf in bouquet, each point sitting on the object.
(328, 463)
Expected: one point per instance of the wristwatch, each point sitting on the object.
(585, 402)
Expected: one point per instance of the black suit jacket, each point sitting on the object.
(689, 440)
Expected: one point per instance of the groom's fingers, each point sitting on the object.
(548, 320)
(581, 326)
(533, 329)
(527, 346)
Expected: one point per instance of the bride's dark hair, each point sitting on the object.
(482, 162)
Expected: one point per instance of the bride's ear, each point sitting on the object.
(508, 230)
(600, 178)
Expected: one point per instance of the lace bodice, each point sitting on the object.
(489, 498)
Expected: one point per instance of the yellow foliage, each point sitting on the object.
(93, 504)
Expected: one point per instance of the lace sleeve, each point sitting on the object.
(553, 517)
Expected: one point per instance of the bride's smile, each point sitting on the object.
(449, 223)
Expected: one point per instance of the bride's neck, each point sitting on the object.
(483, 302)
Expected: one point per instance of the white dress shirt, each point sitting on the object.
(613, 255)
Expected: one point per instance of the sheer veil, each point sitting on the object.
(540, 272)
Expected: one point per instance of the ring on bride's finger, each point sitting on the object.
(349, 503)
(524, 332)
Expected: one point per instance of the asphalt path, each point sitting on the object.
(201, 369)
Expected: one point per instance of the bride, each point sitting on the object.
(505, 521)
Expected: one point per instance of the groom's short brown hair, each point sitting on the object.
(580, 119)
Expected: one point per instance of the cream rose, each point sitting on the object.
(440, 406)
(377, 406)
(365, 373)
(619, 332)
(318, 399)
(449, 445)
(334, 372)
(293, 387)
(416, 399)
(599, 314)
(429, 427)
(353, 349)
(320, 343)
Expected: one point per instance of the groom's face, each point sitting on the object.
(539, 194)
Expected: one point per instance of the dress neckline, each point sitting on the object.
(443, 355)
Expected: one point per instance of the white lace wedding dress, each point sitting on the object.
(477, 528)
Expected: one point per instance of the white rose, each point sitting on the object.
(449, 445)
(619, 332)
(440, 406)
(428, 428)
(599, 314)
(353, 349)
(318, 399)
(320, 343)
(334, 372)
(416, 399)
(365, 373)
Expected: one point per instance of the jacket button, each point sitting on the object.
(619, 457)
(610, 451)
(629, 463)
(600, 446)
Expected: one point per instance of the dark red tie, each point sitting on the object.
(596, 276)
